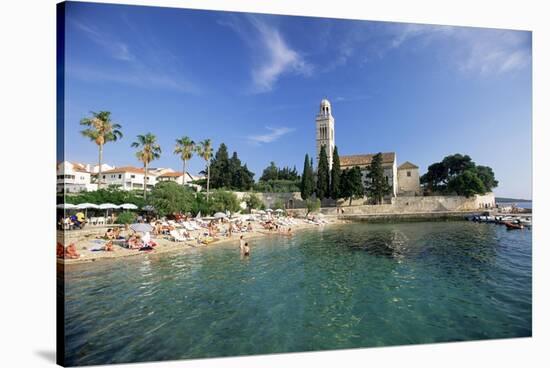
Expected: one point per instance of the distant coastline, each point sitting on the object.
(511, 200)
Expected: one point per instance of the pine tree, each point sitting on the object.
(376, 184)
(335, 175)
(306, 187)
(323, 175)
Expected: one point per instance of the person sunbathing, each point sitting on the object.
(60, 250)
(109, 246)
(70, 252)
(116, 233)
(109, 234)
(134, 241)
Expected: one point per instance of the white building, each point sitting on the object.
(324, 123)
(407, 172)
(73, 177)
(128, 178)
(408, 178)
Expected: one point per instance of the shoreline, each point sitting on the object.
(88, 239)
(165, 245)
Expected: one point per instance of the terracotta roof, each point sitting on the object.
(364, 160)
(173, 174)
(79, 167)
(125, 169)
(407, 165)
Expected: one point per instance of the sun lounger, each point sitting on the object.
(176, 236)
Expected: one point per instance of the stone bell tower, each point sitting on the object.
(325, 132)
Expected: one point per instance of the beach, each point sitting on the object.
(87, 239)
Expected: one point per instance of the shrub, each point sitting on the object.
(253, 201)
(169, 197)
(221, 201)
(313, 204)
(126, 217)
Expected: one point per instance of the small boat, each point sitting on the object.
(512, 226)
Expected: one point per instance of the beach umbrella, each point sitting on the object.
(261, 212)
(66, 206)
(85, 206)
(219, 215)
(141, 227)
(128, 206)
(268, 210)
(107, 207)
(279, 210)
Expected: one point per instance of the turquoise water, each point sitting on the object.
(344, 286)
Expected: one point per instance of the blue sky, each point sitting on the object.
(255, 82)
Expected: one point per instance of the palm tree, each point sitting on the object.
(185, 148)
(101, 130)
(204, 150)
(150, 150)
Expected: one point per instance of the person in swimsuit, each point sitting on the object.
(246, 249)
(241, 243)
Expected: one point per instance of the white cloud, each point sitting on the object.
(273, 135)
(118, 50)
(273, 56)
(473, 50)
(156, 67)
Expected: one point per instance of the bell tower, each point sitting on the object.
(325, 131)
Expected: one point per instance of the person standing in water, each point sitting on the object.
(241, 243)
(246, 249)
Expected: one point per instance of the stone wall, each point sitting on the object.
(416, 204)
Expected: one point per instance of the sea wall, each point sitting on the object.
(398, 205)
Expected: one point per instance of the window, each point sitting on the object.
(103, 176)
(408, 173)
(132, 176)
(120, 176)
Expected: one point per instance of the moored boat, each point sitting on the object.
(512, 226)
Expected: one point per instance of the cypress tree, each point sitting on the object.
(323, 175)
(376, 185)
(306, 187)
(335, 175)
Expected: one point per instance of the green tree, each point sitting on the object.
(168, 197)
(307, 184)
(241, 177)
(223, 201)
(352, 184)
(448, 176)
(466, 183)
(270, 172)
(101, 130)
(126, 218)
(376, 183)
(487, 176)
(252, 201)
(185, 147)
(323, 176)
(150, 150)
(312, 205)
(335, 175)
(204, 150)
(220, 175)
